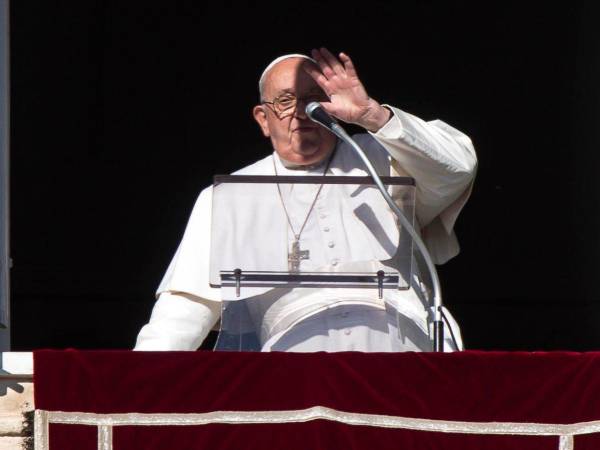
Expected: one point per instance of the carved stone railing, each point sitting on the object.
(16, 399)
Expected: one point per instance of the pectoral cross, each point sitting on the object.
(296, 256)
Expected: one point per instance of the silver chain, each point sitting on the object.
(287, 215)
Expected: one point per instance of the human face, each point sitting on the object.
(295, 137)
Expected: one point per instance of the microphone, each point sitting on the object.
(316, 113)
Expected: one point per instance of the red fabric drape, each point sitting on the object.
(556, 387)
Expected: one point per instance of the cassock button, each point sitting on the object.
(326, 229)
(331, 244)
(323, 216)
(334, 262)
(347, 331)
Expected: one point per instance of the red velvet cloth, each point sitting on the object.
(556, 387)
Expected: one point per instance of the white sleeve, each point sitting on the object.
(189, 269)
(440, 158)
(179, 321)
(443, 163)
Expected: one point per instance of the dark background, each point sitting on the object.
(123, 110)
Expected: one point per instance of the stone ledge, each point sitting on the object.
(16, 364)
(11, 424)
(12, 443)
(16, 397)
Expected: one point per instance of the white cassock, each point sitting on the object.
(442, 161)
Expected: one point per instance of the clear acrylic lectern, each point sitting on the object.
(284, 247)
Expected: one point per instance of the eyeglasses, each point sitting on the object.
(285, 104)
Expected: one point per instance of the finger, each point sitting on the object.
(333, 62)
(348, 65)
(330, 108)
(323, 64)
(319, 78)
(335, 111)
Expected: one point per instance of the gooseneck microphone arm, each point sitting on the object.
(317, 114)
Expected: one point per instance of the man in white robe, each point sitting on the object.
(440, 158)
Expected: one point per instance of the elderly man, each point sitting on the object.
(440, 158)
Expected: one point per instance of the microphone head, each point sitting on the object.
(316, 113)
(311, 107)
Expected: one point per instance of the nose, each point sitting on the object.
(300, 110)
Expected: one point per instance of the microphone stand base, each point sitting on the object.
(438, 336)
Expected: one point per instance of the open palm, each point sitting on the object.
(349, 100)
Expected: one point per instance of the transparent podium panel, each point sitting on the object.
(285, 248)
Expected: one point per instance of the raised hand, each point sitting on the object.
(349, 100)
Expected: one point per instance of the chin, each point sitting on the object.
(311, 157)
(307, 151)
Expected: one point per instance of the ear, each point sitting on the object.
(260, 115)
